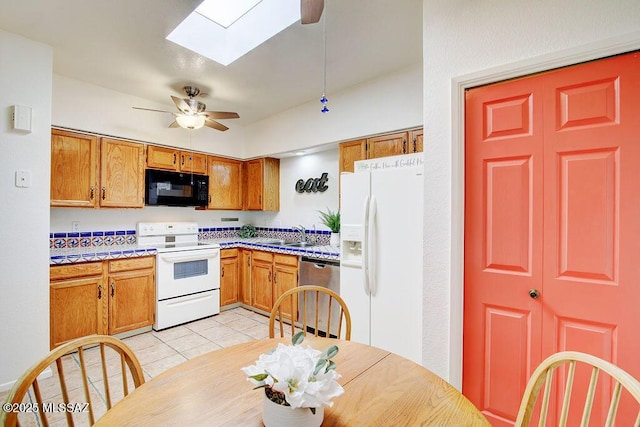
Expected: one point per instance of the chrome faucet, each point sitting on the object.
(301, 230)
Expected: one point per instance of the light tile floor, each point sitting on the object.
(158, 351)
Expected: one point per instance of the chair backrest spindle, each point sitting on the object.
(299, 303)
(567, 362)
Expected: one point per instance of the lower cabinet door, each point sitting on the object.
(131, 300)
(77, 308)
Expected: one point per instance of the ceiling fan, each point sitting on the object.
(192, 114)
(311, 11)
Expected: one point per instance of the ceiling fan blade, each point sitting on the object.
(182, 106)
(311, 11)
(151, 109)
(213, 124)
(174, 124)
(221, 115)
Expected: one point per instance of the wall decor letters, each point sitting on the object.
(313, 184)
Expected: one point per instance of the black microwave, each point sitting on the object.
(168, 188)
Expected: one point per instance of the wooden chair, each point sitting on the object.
(322, 302)
(74, 379)
(613, 382)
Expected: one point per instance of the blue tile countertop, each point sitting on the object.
(99, 253)
(265, 244)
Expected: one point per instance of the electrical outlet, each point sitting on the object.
(75, 226)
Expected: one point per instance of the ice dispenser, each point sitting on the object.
(351, 245)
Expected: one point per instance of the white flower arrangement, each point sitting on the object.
(306, 377)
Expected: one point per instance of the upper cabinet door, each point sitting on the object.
(225, 183)
(121, 173)
(350, 152)
(74, 162)
(254, 184)
(193, 162)
(162, 158)
(262, 184)
(415, 139)
(388, 145)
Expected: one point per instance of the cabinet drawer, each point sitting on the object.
(59, 272)
(229, 253)
(286, 259)
(131, 264)
(262, 256)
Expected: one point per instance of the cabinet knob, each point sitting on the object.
(99, 291)
(275, 277)
(222, 271)
(92, 193)
(113, 289)
(174, 158)
(404, 146)
(104, 193)
(415, 145)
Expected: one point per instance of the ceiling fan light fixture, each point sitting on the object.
(190, 121)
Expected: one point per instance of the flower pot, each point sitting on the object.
(276, 415)
(334, 239)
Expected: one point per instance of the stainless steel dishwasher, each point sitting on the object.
(325, 273)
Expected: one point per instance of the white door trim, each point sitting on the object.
(597, 50)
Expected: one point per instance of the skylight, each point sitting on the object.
(225, 30)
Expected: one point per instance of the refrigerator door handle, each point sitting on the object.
(372, 246)
(365, 248)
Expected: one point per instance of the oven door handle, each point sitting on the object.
(185, 257)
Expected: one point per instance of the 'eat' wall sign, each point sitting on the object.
(313, 184)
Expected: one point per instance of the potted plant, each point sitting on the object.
(298, 382)
(332, 220)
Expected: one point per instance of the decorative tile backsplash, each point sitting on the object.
(320, 237)
(87, 239)
(128, 237)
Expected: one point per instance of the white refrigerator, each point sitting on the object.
(381, 209)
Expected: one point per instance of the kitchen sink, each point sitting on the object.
(299, 244)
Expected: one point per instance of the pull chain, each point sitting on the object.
(324, 99)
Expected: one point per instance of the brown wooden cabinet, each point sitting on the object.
(104, 297)
(262, 185)
(285, 277)
(225, 183)
(392, 144)
(132, 295)
(74, 168)
(244, 290)
(262, 280)
(415, 139)
(121, 174)
(229, 276)
(78, 302)
(90, 172)
(350, 152)
(271, 275)
(169, 158)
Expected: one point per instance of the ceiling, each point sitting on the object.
(120, 45)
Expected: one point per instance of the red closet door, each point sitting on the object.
(557, 219)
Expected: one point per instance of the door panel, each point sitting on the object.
(503, 253)
(575, 131)
(592, 211)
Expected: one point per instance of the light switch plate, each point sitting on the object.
(21, 118)
(23, 178)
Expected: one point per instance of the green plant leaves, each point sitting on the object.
(297, 338)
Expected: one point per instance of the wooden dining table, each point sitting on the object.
(380, 389)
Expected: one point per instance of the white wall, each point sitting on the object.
(378, 106)
(25, 79)
(463, 37)
(302, 208)
(82, 106)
